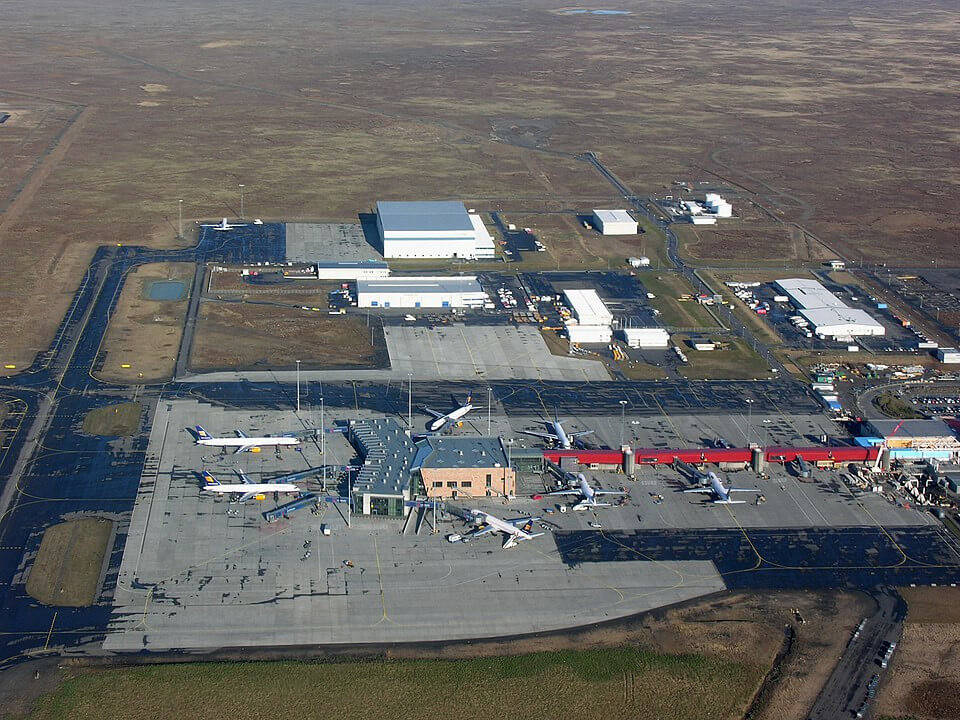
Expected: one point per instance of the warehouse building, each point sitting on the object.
(421, 292)
(646, 337)
(948, 356)
(614, 222)
(438, 229)
(397, 469)
(829, 315)
(591, 320)
(360, 270)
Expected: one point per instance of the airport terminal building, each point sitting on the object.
(398, 469)
(436, 229)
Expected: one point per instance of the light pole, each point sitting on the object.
(410, 401)
(623, 410)
(749, 418)
(489, 403)
(298, 387)
(241, 201)
(323, 439)
(179, 219)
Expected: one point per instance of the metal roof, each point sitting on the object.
(809, 294)
(387, 453)
(588, 307)
(424, 216)
(607, 216)
(830, 316)
(460, 452)
(447, 285)
(354, 264)
(912, 429)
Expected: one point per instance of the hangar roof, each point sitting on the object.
(421, 285)
(424, 216)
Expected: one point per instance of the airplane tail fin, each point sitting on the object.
(201, 433)
(209, 480)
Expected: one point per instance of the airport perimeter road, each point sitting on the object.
(846, 689)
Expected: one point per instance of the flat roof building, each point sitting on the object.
(614, 222)
(587, 307)
(356, 270)
(829, 315)
(433, 229)
(421, 292)
(591, 320)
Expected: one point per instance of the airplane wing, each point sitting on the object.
(240, 433)
(730, 490)
(699, 490)
(243, 477)
(610, 492)
(434, 413)
(565, 492)
(547, 436)
(481, 531)
(244, 448)
(523, 524)
(579, 433)
(245, 497)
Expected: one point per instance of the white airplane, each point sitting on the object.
(516, 530)
(242, 442)
(453, 416)
(559, 437)
(588, 495)
(248, 490)
(224, 225)
(720, 493)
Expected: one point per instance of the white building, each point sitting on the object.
(361, 270)
(421, 292)
(830, 316)
(442, 229)
(648, 337)
(614, 222)
(591, 319)
(949, 356)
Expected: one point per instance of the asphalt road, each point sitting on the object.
(846, 689)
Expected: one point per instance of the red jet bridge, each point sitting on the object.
(646, 456)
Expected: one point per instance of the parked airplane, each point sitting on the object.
(224, 225)
(248, 490)
(453, 416)
(588, 495)
(559, 437)
(242, 442)
(720, 493)
(516, 530)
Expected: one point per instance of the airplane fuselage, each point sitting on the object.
(249, 441)
(562, 439)
(450, 417)
(256, 489)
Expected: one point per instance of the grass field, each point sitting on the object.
(895, 407)
(590, 684)
(145, 334)
(737, 362)
(668, 287)
(120, 420)
(248, 336)
(66, 571)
